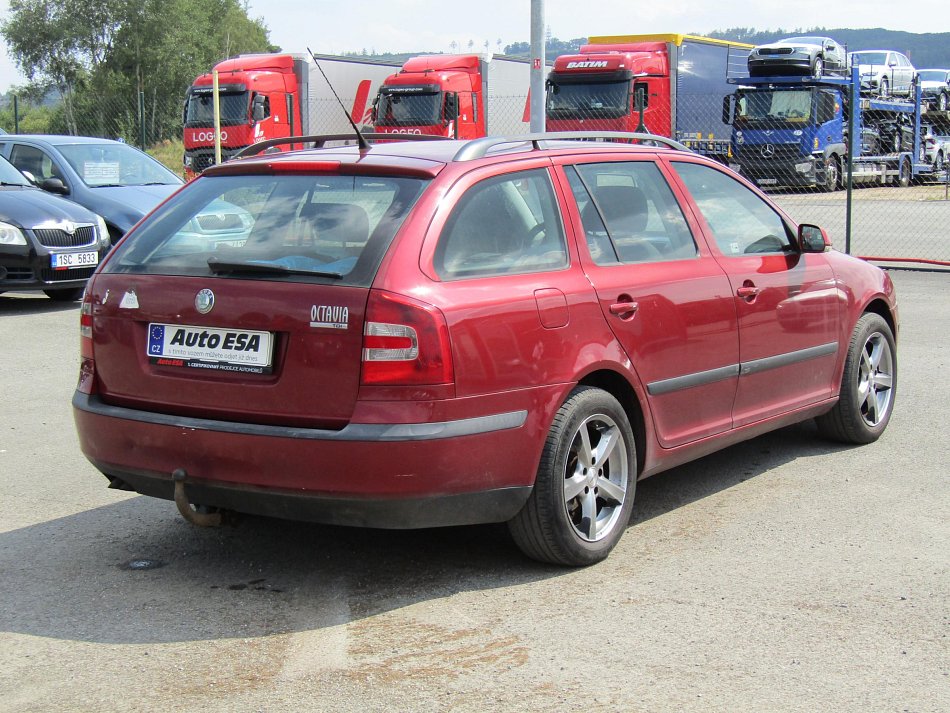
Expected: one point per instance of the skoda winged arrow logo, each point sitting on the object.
(768, 151)
(204, 301)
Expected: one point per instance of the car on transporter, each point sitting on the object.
(809, 56)
(46, 243)
(419, 334)
(935, 88)
(884, 73)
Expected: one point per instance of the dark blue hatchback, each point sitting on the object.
(46, 242)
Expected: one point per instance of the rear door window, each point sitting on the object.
(504, 225)
(629, 213)
(294, 227)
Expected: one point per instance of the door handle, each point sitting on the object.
(748, 292)
(624, 309)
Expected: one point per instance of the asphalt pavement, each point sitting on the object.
(783, 574)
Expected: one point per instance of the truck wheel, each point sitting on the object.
(943, 101)
(905, 174)
(868, 385)
(938, 162)
(884, 89)
(583, 493)
(832, 174)
(818, 68)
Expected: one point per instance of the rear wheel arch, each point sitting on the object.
(619, 387)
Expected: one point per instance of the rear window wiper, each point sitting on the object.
(263, 267)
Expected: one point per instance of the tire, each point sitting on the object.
(868, 385)
(832, 175)
(555, 525)
(938, 162)
(884, 89)
(818, 68)
(70, 295)
(904, 174)
(943, 101)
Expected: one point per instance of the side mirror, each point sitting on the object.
(451, 107)
(727, 109)
(54, 185)
(812, 239)
(258, 110)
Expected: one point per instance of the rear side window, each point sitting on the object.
(629, 213)
(292, 227)
(504, 225)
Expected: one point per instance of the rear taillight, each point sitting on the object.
(405, 342)
(87, 364)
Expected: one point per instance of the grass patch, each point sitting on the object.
(169, 152)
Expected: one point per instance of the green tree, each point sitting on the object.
(99, 55)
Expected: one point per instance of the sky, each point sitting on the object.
(336, 26)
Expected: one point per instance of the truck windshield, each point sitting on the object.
(786, 106)
(422, 109)
(595, 99)
(199, 110)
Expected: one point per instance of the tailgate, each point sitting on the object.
(282, 353)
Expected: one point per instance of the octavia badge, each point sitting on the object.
(204, 301)
(768, 151)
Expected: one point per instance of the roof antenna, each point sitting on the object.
(359, 137)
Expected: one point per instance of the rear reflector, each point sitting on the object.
(405, 342)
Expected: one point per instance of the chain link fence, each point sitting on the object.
(891, 204)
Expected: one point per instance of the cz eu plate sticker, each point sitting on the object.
(236, 350)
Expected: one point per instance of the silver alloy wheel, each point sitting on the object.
(875, 378)
(596, 478)
(818, 69)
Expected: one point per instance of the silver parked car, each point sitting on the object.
(884, 72)
(935, 88)
(809, 56)
(934, 148)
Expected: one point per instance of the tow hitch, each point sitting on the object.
(201, 519)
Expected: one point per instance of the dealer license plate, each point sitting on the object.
(64, 261)
(767, 181)
(237, 350)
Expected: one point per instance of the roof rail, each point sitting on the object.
(478, 148)
(321, 140)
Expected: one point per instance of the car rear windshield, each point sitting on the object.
(305, 228)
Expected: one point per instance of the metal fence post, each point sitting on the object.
(142, 120)
(853, 99)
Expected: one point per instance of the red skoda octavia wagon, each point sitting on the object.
(421, 334)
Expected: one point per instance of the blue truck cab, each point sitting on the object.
(793, 131)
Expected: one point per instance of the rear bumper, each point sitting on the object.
(465, 471)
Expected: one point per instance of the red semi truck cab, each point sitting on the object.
(439, 95)
(670, 85)
(259, 100)
(596, 90)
